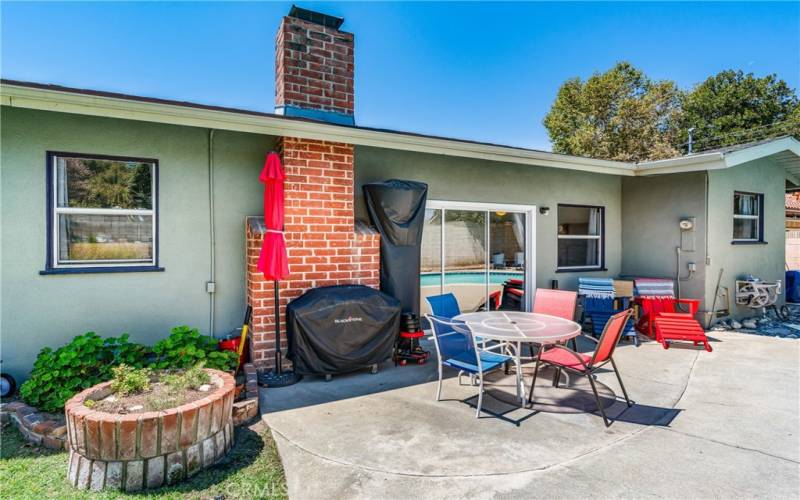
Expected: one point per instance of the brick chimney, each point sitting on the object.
(314, 68)
(324, 243)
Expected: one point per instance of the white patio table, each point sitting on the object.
(516, 328)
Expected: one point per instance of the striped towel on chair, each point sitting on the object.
(599, 288)
(654, 287)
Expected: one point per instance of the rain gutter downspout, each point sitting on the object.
(211, 284)
(707, 261)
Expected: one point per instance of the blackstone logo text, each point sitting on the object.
(350, 319)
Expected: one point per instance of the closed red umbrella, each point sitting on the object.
(272, 260)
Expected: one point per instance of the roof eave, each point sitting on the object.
(719, 160)
(707, 161)
(790, 144)
(64, 101)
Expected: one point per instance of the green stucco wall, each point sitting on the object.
(762, 260)
(39, 311)
(652, 207)
(471, 180)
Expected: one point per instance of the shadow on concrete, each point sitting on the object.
(574, 394)
(314, 390)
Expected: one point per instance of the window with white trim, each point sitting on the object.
(580, 237)
(748, 219)
(102, 211)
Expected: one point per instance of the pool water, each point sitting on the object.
(476, 278)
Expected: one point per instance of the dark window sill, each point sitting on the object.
(99, 270)
(748, 242)
(581, 270)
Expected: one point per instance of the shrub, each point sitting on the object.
(185, 348)
(85, 361)
(191, 378)
(196, 376)
(89, 359)
(128, 380)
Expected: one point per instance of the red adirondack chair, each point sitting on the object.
(679, 326)
(651, 307)
(660, 318)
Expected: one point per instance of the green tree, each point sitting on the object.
(112, 186)
(732, 107)
(617, 115)
(142, 186)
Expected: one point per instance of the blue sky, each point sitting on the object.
(483, 71)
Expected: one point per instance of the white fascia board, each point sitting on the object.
(113, 107)
(762, 150)
(694, 163)
(718, 160)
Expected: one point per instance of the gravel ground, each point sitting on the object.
(767, 326)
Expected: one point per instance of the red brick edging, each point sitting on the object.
(40, 428)
(147, 450)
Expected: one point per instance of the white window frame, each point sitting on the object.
(759, 199)
(56, 211)
(598, 237)
(530, 231)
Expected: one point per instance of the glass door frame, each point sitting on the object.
(530, 231)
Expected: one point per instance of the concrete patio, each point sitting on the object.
(720, 424)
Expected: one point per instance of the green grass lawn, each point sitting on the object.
(251, 470)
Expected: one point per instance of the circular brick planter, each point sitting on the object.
(147, 450)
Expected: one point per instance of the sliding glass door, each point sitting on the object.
(478, 252)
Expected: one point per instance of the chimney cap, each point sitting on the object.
(316, 17)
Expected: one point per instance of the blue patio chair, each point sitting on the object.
(597, 312)
(457, 348)
(444, 306)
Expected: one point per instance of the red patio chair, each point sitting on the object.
(679, 326)
(559, 303)
(562, 357)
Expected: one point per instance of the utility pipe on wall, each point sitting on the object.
(211, 284)
(679, 279)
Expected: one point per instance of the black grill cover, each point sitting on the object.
(397, 208)
(338, 329)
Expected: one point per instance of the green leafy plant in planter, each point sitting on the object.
(87, 360)
(190, 378)
(129, 380)
(186, 347)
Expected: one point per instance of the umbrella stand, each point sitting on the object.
(272, 260)
(277, 377)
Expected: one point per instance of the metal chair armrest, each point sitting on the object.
(573, 353)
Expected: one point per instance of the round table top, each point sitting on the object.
(517, 326)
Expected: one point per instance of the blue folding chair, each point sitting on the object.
(444, 306)
(597, 311)
(457, 348)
